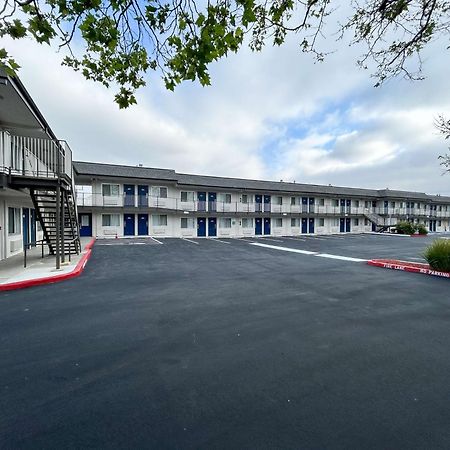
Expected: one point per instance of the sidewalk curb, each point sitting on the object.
(407, 266)
(78, 269)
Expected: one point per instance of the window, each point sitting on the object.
(159, 191)
(244, 198)
(187, 196)
(322, 202)
(356, 202)
(335, 202)
(321, 222)
(278, 222)
(335, 222)
(247, 223)
(84, 220)
(293, 200)
(187, 222)
(110, 190)
(13, 221)
(224, 222)
(356, 222)
(159, 220)
(110, 220)
(295, 222)
(278, 200)
(366, 222)
(225, 198)
(392, 204)
(439, 223)
(366, 204)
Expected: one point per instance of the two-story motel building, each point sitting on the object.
(121, 201)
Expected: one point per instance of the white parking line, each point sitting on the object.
(189, 240)
(307, 252)
(285, 249)
(294, 239)
(156, 240)
(270, 239)
(243, 240)
(218, 240)
(343, 258)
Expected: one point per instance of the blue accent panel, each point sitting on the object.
(304, 225)
(258, 226)
(342, 225)
(129, 191)
(143, 195)
(212, 226)
(201, 226)
(26, 225)
(86, 230)
(128, 224)
(311, 225)
(266, 225)
(348, 223)
(201, 199)
(143, 224)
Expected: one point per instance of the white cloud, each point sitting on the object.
(271, 115)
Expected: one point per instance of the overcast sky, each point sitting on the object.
(270, 115)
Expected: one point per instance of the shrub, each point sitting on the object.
(405, 228)
(421, 229)
(438, 255)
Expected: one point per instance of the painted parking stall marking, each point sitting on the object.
(307, 252)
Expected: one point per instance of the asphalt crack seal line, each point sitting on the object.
(307, 252)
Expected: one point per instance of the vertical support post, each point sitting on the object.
(63, 249)
(58, 226)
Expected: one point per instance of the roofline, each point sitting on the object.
(20, 88)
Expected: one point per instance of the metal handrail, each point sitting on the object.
(40, 242)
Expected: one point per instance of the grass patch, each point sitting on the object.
(438, 255)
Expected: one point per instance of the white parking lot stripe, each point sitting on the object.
(156, 240)
(284, 249)
(218, 240)
(342, 258)
(189, 240)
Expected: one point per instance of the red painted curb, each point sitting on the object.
(48, 280)
(407, 266)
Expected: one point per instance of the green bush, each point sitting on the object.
(438, 255)
(405, 228)
(421, 229)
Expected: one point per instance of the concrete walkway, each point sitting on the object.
(12, 269)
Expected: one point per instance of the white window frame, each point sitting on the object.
(189, 196)
(16, 221)
(159, 220)
(247, 222)
(225, 222)
(158, 191)
(278, 222)
(224, 197)
(187, 223)
(111, 216)
(110, 185)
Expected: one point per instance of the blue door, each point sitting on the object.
(128, 224)
(267, 204)
(348, 222)
(128, 190)
(258, 203)
(311, 205)
(386, 206)
(304, 225)
(311, 225)
(143, 224)
(33, 226)
(201, 201)
(212, 226)
(266, 225)
(258, 226)
(143, 195)
(374, 227)
(201, 226)
(349, 204)
(304, 204)
(212, 198)
(85, 224)
(26, 226)
(342, 225)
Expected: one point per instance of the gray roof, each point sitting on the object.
(114, 170)
(183, 179)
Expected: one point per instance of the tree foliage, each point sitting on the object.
(118, 41)
(443, 125)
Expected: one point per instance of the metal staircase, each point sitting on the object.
(377, 220)
(47, 201)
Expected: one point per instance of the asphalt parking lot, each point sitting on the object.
(206, 343)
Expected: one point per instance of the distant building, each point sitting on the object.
(115, 200)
